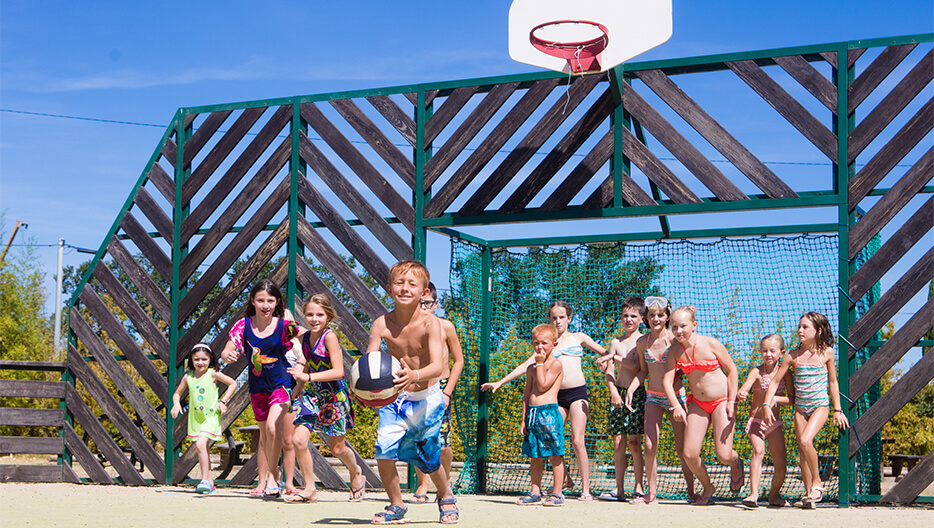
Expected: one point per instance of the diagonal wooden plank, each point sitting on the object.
(892, 351)
(226, 144)
(374, 137)
(893, 300)
(348, 324)
(656, 171)
(118, 417)
(446, 112)
(169, 151)
(633, 195)
(892, 202)
(430, 96)
(875, 73)
(412, 97)
(892, 250)
(342, 231)
(247, 474)
(892, 401)
(580, 175)
(190, 120)
(786, 106)
(340, 270)
(140, 319)
(372, 478)
(903, 142)
(163, 182)
(197, 292)
(490, 146)
(361, 166)
(235, 173)
(830, 57)
(401, 121)
(352, 198)
(161, 221)
(140, 278)
(128, 346)
(913, 485)
(713, 132)
(811, 79)
(852, 56)
(522, 153)
(202, 135)
(83, 455)
(244, 200)
(147, 246)
(239, 282)
(680, 147)
(468, 130)
(891, 105)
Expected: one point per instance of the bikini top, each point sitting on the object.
(704, 365)
(767, 380)
(649, 358)
(575, 350)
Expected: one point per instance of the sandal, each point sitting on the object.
(292, 491)
(737, 485)
(298, 498)
(782, 504)
(750, 503)
(392, 514)
(450, 501)
(641, 499)
(532, 499)
(272, 493)
(256, 492)
(585, 497)
(810, 502)
(417, 498)
(704, 501)
(608, 495)
(203, 487)
(554, 500)
(354, 497)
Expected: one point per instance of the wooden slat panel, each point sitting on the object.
(31, 389)
(155, 214)
(468, 130)
(36, 445)
(412, 97)
(892, 401)
(830, 57)
(140, 319)
(199, 139)
(852, 56)
(120, 378)
(892, 351)
(32, 417)
(128, 346)
(892, 202)
(350, 197)
(811, 79)
(69, 475)
(893, 250)
(247, 474)
(875, 73)
(400, 120)
(504, 173)
(914, 483)
(329, 478)
(488, 148)
(147, 246)
(234, 287)
(719, 138)
(342, 231)
(903, 142)
(42, 366)
(430, 96)
(603, 197)
(118, 417)
(236, 209)
(237, 170)
(190, 120)
(372, 479)
(340, 270)
(27, 473)
(377, 140)
(95, 430)
(138, 276)
(83, 455)
(235, 407)
(352, 328)
(163, 182)
(894, 102)
(580, 175)
(656, 171)
(169, 151)
(361, 166)
(446, 112)
(234, 249)
(595, 116)
(787, 106)
(892, 300)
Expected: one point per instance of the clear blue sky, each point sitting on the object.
(138, 62)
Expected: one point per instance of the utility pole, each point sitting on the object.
(19, 223)
(57, 344)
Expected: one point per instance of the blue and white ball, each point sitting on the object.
(371, 379)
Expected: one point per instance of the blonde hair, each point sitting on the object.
(773, 337)
(689, 310)
(545, 331)
(404, 266)
(322, 300)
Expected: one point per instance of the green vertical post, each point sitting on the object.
(483, 365)
(295, 205)
(843, 125)
(619, 119)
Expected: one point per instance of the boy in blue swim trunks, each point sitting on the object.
(409, 427)
(542, 425)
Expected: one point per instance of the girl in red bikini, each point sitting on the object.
(712, 378)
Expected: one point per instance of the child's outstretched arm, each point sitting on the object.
(639, 378)
(177, 397)
(839, 417)
(751, 379)
(454, 348)
(783, 369)
(229, 393)
(516, 372)
(587, 342)
(526, 396)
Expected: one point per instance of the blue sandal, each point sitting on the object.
(554, 500)
(531, 499)
(450, 501)
(392, 515)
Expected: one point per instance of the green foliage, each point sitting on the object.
(912, 428)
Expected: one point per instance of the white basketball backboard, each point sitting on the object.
(632, 27)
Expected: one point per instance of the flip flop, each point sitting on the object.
(417, 498)
(585, 497)
(704, 501)
(749, 503)
(782, 504)
(272, 493)
(292, 491)
(256, 492)
(392, 514)
(298, 498)
(737, 485)
(362, 493)
(607, 495)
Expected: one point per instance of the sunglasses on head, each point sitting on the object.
(656, 302)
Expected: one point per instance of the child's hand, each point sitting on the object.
(229, 356)
(221, 408)
(523, 429)
(541, 356)
(605, 361)
(741, 396)
(628, 402)
(767, 417)
(405, 376)
(492, 386)
(678, 414)
(298, 372)
(840, 419)
(615, 400)
(176, 409)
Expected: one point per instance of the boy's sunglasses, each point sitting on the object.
(656, 302)
(426, 304)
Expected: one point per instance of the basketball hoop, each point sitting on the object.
(579, 42)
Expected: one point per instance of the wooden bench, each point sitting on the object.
(898, 461)
(228, 459)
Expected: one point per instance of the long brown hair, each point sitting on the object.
(269, 287)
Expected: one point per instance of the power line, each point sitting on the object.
(61, 116)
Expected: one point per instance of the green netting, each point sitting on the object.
(743, 289)
(870, 454)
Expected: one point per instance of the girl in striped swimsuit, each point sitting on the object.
(814, 373)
